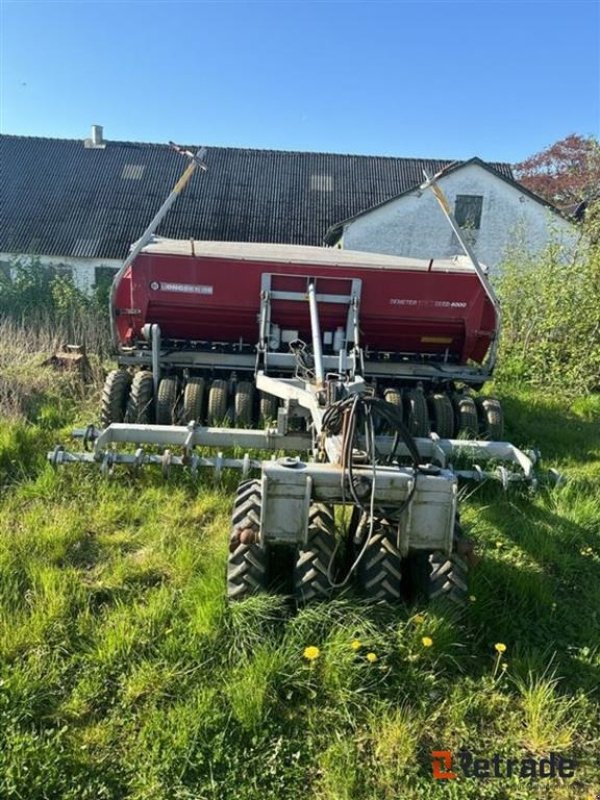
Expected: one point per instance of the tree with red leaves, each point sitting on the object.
(566, 174)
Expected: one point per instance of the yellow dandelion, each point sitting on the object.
(356, 644)
(311, 653)
(419, 619)
(472, 598)
(372, 658)
(427, 641)
(500, 647)
(499, 544)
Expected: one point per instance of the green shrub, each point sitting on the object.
(551, 319)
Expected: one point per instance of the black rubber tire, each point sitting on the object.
(379, 570)
(439, 577)
(247, 565)
(491, 418)
(447, 579)
(140, 406)
(166, 401)
(394, 397)
(217, 402)
(193, 401)
(311, 581)
(465, 416)
(244, 404)
(442, 415)
(115, 393)
(417, 416)
(267, 408)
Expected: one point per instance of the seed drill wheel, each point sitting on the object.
(465, 416)
(379, 572)
(140, 406)
(244, 403)
(114, 397)
(267, 408)
(417, 415)
(247, 565)
(394, 397)
(166, 401)
(491, 418)
(442, 415)
(311, 581)
(193, 401)
(217, 402)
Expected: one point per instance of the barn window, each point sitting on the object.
(321, 183)
(467, 211)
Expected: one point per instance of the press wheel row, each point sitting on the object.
(127, 398)
(450, 416)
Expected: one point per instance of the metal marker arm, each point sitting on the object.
(195, 163)
(431, 183)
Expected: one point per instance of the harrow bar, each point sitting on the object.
(512, 465)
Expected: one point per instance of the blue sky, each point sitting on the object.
(445, 79)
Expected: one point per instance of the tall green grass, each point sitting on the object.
(124, 674)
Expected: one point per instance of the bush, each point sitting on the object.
(39, 299)
(551, 319)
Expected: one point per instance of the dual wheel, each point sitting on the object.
(449, 415)
(382, 571)
(127, 398)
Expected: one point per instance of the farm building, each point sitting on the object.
(492, 209)
(79, 204)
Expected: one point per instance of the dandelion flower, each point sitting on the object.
(500, 647)
(499, 544)
(371, 658)
(472, 598)
(505, 666)
(311, 653)
(427, 641)
(419, 619)
(356, 644)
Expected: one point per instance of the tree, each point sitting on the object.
(566, 174)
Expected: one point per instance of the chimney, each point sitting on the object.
(95, 140)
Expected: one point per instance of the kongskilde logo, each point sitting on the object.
(446, 766)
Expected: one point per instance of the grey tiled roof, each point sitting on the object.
(59, 198)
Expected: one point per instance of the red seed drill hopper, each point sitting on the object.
(365, 364)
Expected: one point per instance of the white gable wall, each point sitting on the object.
(414, 225)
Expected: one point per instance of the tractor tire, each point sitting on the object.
(166, 401)
(417, 415)
(491, 418)
(193, 401)
(465, 416)
(439, 577)
(244, 404)
(217, 403)
(447, 579)
(115, 392)
(140, 406)
(442, 415)
(267, 408)
(247, 565)
(379, 572)
(311, 570)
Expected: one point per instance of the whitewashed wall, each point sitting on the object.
(414, 225)
(83, 270)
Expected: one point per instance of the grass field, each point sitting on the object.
(124, 674)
